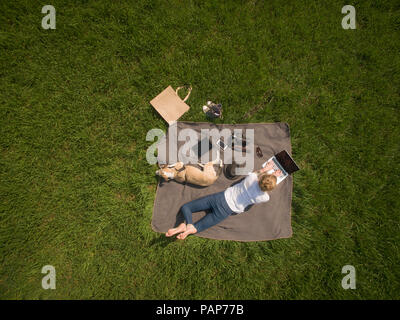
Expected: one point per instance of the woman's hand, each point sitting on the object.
(277, 173)
(268, 166)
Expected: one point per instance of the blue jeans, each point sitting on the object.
(215, 202)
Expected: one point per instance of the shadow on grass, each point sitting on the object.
(162, 241)
(297, 207)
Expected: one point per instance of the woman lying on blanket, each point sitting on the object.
(235, 199)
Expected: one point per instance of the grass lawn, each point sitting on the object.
(76, 190)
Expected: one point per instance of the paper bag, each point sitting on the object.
(169, 105)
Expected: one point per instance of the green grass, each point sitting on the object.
(77, 192)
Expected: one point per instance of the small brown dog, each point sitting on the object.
(181, 173)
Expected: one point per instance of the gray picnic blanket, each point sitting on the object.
(264, 221)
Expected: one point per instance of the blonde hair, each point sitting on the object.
(267, 182)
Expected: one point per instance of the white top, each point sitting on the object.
(245, 193)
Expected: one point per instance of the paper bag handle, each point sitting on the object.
(189, 91)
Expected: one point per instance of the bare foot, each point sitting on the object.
(190, 229)
(178, 229)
